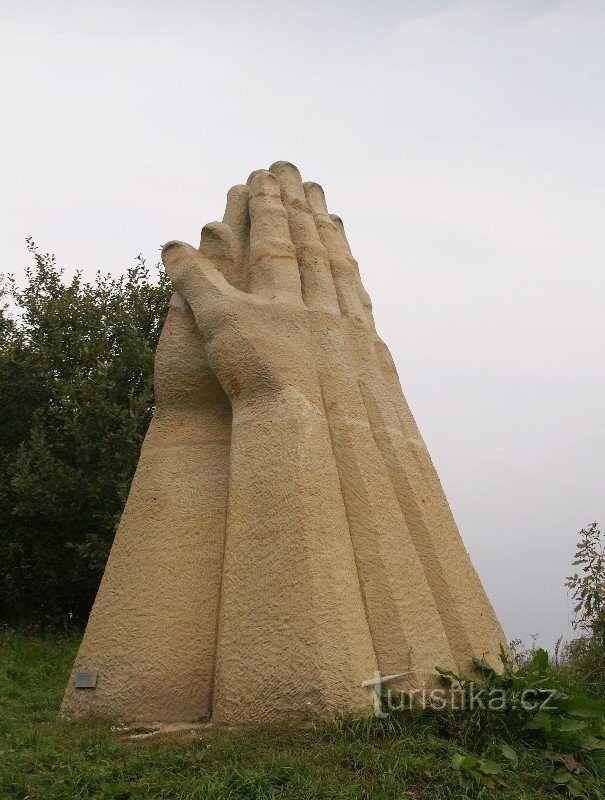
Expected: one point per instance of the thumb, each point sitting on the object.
(195, 277)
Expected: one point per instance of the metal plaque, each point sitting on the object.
(86, 680)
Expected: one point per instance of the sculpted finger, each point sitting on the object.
(318, 287)
(193, 275)
(273, 265)
(344, 271)
(316, 198)
(363, 295)
(237, 217)
(217, 244)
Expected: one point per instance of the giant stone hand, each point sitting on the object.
(313, 519)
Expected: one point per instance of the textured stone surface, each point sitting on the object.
(286, 533)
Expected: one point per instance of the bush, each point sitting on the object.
(584, 665)
(584, 658)
(76, 378)
(588, 589)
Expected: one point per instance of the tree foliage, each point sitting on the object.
(76, 389)
(585, 656)
(588, 588)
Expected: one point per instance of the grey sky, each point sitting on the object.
(462, 143)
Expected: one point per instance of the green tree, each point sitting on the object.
(584, 661)
(76, 397)
(588, 589)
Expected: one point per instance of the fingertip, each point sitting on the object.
(285, 166)
(316, 197)
(215, 230)
(174, 255)
(289, 178)
(343, 236)
(261, 181)
(236, 208)
(217, 241)
(171, 251)
(237, 192)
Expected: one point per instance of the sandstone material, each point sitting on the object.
(286, 534)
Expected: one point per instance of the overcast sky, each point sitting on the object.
(461, 141)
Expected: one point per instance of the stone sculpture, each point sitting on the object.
(286, 534)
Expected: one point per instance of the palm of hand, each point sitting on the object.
(257, 341)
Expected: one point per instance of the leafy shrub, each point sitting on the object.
(535, 709)
(588, 589)
(583, 661)
(583, 664)
(76, 380)
(533, 703)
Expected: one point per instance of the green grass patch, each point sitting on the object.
(44, 758)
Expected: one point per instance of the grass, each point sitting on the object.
(43, 758)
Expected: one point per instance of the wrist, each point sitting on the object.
(285, 402)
